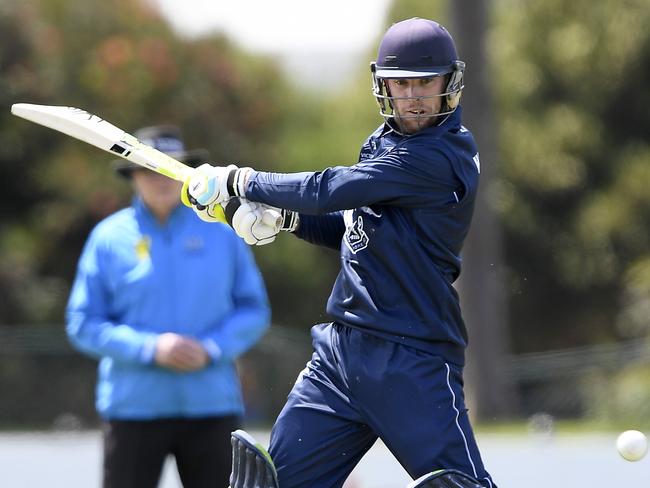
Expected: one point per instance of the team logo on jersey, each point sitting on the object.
(355, 237)
(194, 244)
(143, 247)
(372, 211)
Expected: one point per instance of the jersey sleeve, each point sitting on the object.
(88, 323)
(401, 178)
(323, 230)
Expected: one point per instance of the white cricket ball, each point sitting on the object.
(632, 445)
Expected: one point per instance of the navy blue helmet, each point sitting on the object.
(417, 48)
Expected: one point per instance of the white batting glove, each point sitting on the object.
(215, 184)
(255, 224)
(258, 224)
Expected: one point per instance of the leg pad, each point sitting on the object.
(252, 466)
(445, 478)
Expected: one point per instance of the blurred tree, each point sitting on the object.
(437, 10)
(571, 82)
(573, 151)
(121, 61)
(481, 286)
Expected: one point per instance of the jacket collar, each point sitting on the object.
(144, 214)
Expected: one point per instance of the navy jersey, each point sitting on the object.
(399, 217)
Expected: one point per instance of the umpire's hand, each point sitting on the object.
(180, 353)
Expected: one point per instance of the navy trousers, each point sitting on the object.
(358, 387)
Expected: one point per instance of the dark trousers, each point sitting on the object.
(135, 451)
(358, 387)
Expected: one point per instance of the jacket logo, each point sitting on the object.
(355, 237)
(194, 243)
(142, 248)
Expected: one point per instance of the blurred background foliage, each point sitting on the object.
(124, 63)
(569, 82)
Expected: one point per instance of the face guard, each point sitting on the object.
(412, 49)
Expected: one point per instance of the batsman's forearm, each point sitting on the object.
(322, 230)
(310, 193)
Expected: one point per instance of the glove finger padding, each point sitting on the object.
(250, 223)
(261, 232)
(243, 223)
(272, 218)
(185, 196)
(211, 213)
(242, 219)
(209, 184)
(208, 213)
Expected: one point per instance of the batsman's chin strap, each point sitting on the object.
(252, 466)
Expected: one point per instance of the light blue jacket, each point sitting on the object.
(137, 279)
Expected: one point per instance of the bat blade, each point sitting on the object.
(96, 131)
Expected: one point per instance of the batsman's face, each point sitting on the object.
(158, 192)
(416, 102)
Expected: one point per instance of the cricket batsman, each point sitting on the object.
(390, 364)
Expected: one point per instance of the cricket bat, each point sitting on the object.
(97, 132)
